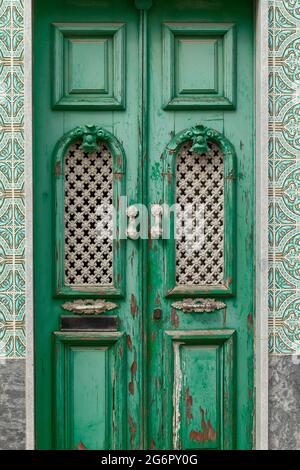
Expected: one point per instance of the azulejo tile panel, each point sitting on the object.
(12, 221)
(284, 176)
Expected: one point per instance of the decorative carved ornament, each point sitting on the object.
(90, 134)
(198, 305)
(200, 136)
(89, 307)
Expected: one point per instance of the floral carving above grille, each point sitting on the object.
(88, 185)
(200, 187)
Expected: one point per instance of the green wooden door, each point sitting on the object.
(143, 224)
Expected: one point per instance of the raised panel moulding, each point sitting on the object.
(89, 66)
(199, 67)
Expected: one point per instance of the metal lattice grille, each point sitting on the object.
(200, 247)
(88, 188)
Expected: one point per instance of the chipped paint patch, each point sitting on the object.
(176, 396)
(174, 318)
(133, 306)
(57, 169)
(207, 432)
(81, 446)
(129, 342)
(133, 369)
(132, 431)
(189, 403)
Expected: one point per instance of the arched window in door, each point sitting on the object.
(200, 180)
(89, 179)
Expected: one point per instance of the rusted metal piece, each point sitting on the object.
(198, 305)
(157, 314)
(89, 307)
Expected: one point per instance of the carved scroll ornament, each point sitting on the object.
(198, 305)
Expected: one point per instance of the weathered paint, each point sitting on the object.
(228, 418)
(189, 402)
(176, 380)
(207, 432)
(123, 125)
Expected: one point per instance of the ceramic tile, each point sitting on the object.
(284, 177)
(12, 219)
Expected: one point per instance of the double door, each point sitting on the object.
(143, 224)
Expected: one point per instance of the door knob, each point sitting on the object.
(131, 231)
(156, 230)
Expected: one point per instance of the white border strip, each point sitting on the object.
(261, 374)
(261, 178)
(29, 393)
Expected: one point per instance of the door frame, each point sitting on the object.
(261, 237)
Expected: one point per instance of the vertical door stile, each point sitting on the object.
(134, 317)
(142, 97)
(143, 168)
(143, 7)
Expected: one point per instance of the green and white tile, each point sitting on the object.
(12, 214)
(284, 176)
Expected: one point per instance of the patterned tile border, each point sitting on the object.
(284, 178)
(12, 223)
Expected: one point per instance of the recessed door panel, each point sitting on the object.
(201, 369)
(89, 388)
